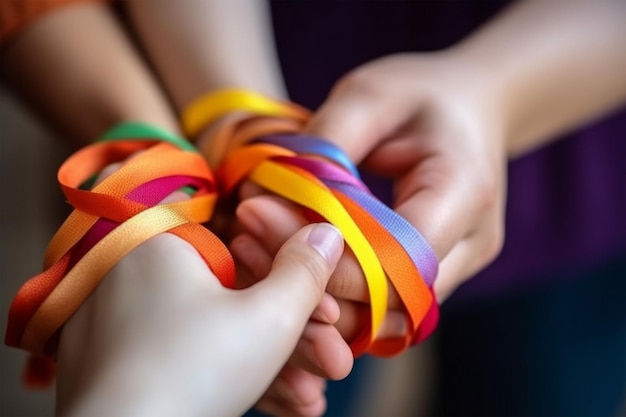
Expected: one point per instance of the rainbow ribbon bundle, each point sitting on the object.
(113, 218)
(264, 146)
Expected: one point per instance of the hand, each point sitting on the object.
(432, 124)
(161, 335)
(427, 122)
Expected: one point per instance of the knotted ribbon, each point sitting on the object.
(112, 219)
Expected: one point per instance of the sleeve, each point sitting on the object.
(16, 15)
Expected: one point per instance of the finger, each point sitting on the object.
(248, 189)
(248, 252)
(271, 220)
(356, 117)
(302, 267)
(244, 277)
(298, 278)
(327, 311)
(253, 258)
(278, 407)
(431, 199)
(322, 351)
(356, 316)
(395, 156)
(295, 392)
(469, 256)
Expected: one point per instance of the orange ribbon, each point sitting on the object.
(381, 256)
(126, 206)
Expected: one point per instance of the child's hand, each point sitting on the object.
(161, 311)
(434, 126)
(322, 352)
(161, 336)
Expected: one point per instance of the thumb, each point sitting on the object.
(300, 272)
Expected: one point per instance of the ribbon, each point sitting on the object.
(211, 107)
(385, 245)
(320, 177)
(112, 219)
(265, 146)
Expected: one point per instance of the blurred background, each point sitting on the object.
(31, 208)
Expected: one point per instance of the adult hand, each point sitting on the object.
(429, 124)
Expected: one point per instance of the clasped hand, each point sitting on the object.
(431, 126)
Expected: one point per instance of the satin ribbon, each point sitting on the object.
(113, 218)
(211, 107)
(385, 245)
(320, 177)
(123, 211)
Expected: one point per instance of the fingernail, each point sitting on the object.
(250, 221)
(327, 241)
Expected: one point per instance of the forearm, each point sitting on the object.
(202, 46)
(551, 66)
(77, 68)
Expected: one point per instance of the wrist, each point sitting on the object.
(219, 119)
(567, 71)
(212, 143)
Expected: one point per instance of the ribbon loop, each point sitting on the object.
(320, 177)
(267, 147)
(113, 218)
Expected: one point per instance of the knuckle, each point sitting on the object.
(311, 264)
(346, 285)
(494, 244)
(338, 286)
(488, 192)
(362, 81)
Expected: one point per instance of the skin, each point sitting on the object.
(92, 368)
(48, 65)
(223, 44)
(430, 114)
(249, 60)
(147, 344)
(450, 123)
(456, 109)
